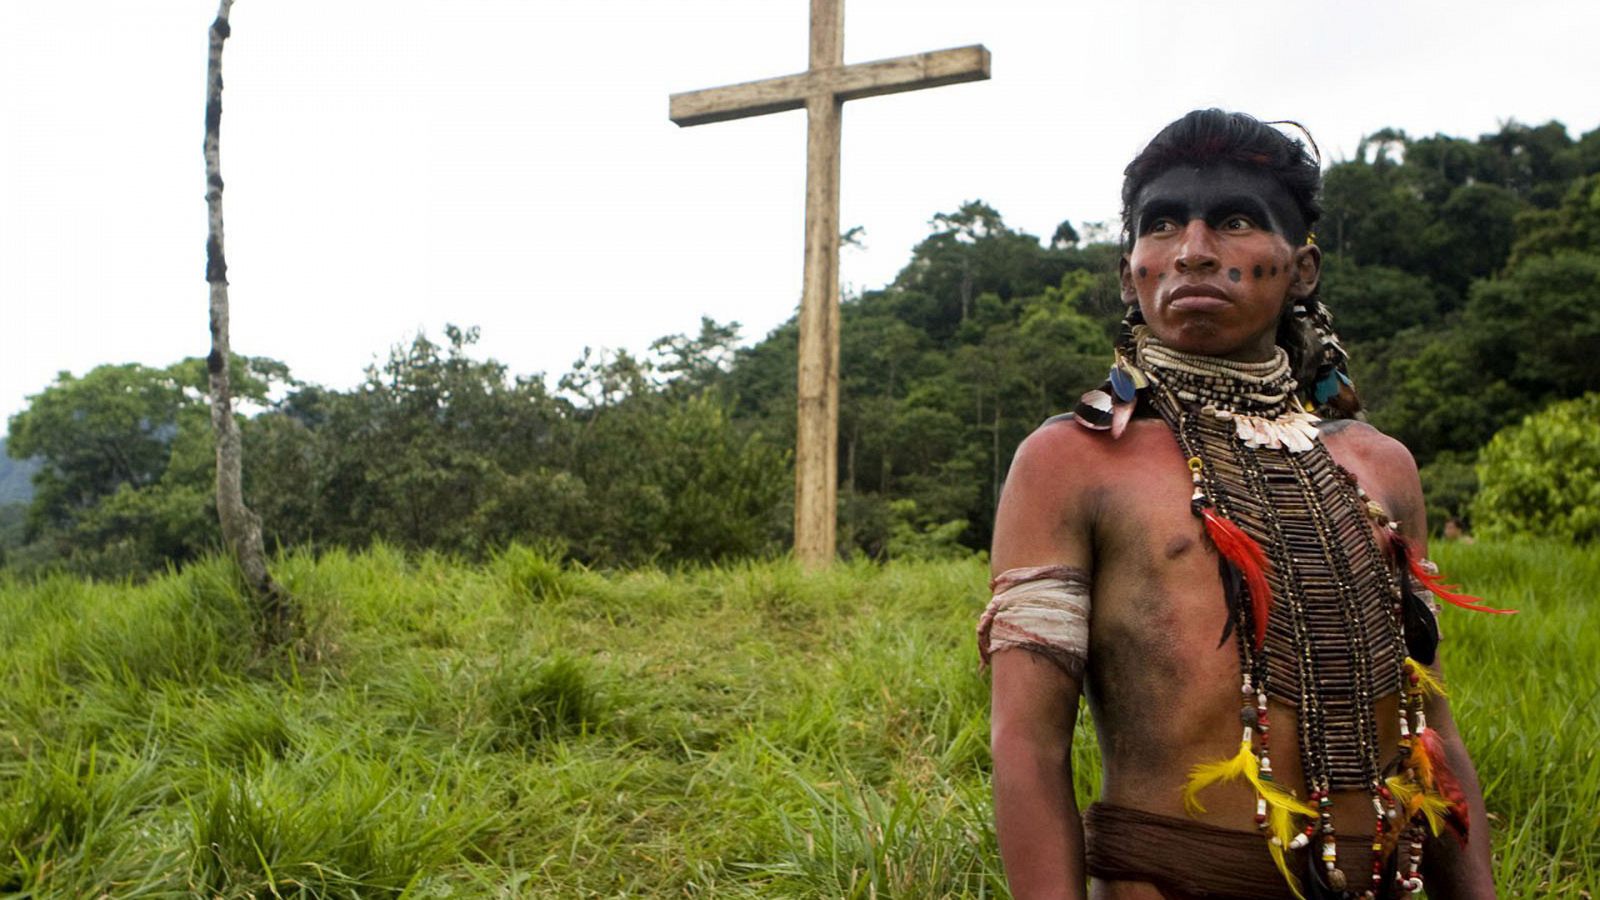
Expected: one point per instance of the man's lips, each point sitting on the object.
(1198, 298)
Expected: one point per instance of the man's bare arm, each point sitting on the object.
(1450, 871)
(1034, 701)
(1035, 812)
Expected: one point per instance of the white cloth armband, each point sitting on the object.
(1040, 608)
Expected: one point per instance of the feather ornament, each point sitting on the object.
(1433, 581)
(1413, 800)
(1281, 827)
(1418, 622)
(1094, 410)
(1121, 414)
(1241, 765)
(1430, 683)
(1315, 885)
(1446, 784)
(1122, 386)
(1246, 555)
(1232, 589)
(1327, 387)
(1336, 391)
(1421, 763)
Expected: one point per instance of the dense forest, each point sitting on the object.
(1464, 277)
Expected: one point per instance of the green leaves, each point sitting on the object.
(1542, 477)
(126, 455)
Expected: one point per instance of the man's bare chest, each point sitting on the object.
(1164, 640)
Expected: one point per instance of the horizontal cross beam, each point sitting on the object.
(869, 79)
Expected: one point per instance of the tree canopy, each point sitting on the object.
(1464, 277)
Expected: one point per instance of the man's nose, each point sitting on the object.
(1197, 248)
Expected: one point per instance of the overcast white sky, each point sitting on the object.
(509, 164)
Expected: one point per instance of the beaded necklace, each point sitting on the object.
(1329, 627)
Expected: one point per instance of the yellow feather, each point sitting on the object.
(1242, 765)
(1429, 682)
(1405, 794)
(1283, 831)
(1278, 798)
(1433, 809)
(1413, 799)
(1282, 806)
(1283, 866)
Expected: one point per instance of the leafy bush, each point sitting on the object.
(1542, 477)
(912, 538)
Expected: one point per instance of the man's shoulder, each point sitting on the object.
(1065, 452)
(1060, 438)
(1361, 439)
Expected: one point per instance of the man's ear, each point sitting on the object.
(1307, 271)
(1130, 294)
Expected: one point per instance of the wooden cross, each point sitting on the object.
(822, 89)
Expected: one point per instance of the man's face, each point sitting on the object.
(1211, 266)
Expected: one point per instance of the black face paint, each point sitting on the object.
(1161, 277)
(1216, 193)
(1274, 270)
(1144, 272)
(1234, 275)
(1256, 271)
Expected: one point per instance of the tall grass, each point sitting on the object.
(528, 728)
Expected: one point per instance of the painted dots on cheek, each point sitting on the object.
(1144, 272)
(1234, 275)
(1256, 271)
(1274, 270)
(1161, 277)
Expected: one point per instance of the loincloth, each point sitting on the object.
(1187, 859)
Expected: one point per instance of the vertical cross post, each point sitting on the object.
(816, 458)
(823, 89)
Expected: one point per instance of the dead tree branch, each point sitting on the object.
(241, 528)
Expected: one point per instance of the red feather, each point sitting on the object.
(1242, 551)
(1446, 783)
(1434, 582)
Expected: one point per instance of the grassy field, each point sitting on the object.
(524, 729)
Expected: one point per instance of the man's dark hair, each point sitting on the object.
(1210, 136)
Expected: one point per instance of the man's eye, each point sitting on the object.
(1237, 223)
(1163, 225)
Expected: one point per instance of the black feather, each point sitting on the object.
(1232, 592)
(1421, 627)
(1315, 887)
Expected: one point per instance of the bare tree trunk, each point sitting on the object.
(241, 528)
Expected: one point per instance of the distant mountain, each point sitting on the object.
(16, 477)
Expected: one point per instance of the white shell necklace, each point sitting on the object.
(1258, 397)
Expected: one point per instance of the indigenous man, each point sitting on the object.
(1218, 487)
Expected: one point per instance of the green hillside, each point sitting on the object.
(526, 728)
